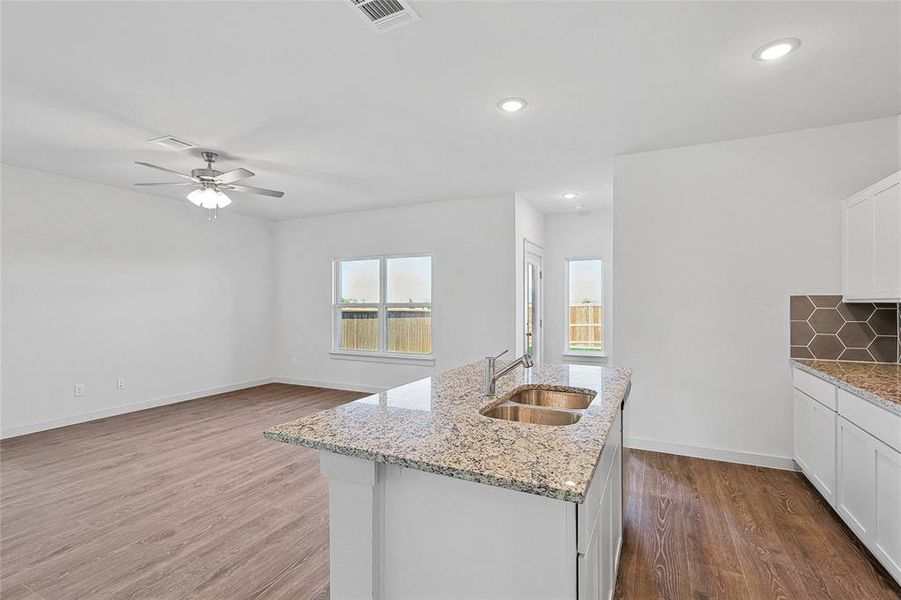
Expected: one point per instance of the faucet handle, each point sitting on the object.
(493, 358)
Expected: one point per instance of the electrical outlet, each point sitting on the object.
(78, 390)
(294, 362)
(120, 383)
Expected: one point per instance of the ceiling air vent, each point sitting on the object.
(172, 142)
(385, 14)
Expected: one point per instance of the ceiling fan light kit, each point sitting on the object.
(210, 184)
(209, 198)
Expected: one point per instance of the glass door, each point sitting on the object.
(532, 325)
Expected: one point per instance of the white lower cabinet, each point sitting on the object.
(590, 570)
(869, 492)
(803, 415)
(617, 507)
(856, 471)
(856, 502)
(598, 559)
(814, 431)
(605, 545)
(886, 538)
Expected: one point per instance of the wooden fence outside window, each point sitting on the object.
(409, 329)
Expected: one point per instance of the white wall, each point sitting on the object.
(100, 283)
(472, 269)
(574, 235)
(710, 242)
(528, 226)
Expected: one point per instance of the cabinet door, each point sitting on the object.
(822, 450)
(605, 545)
(887, 241)
(887, 528)
(855, 497)
(815, 451)
(871, 242)
(869, 493)
(597, 565)
(617, 507)
(590, 568)
(599, 557)
(858, 248)
(801, 429)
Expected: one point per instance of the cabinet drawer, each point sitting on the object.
(819, 389)
(876, 421)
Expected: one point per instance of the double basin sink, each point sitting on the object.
(543, 406)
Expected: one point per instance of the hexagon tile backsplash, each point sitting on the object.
(825, 328)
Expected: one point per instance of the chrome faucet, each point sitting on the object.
(492, 375)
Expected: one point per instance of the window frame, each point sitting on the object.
(598, 354)
(381, 354)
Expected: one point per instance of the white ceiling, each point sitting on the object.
(342, 118)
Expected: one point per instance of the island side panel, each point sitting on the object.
(398, 533)
(449, 538)
(356, 491)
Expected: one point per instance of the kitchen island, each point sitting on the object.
(430, 498)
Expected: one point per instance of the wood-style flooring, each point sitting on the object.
(699, 528)
(190, 501)
(182, 501)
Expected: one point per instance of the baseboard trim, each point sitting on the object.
(332, 385)
(127, 408)
(732, 456)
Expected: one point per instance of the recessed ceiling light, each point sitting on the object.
(512, 105)
(776, 50)
(579, 207)
(570, 195)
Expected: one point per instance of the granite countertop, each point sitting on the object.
(435, 425)
(879, 383)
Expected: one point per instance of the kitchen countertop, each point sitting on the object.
(435, 425)
(880, 383)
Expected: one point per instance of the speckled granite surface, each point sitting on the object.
(435, 425)
(878, 383)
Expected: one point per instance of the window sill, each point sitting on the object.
(383, 357)
(587, 358)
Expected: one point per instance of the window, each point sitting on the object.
(384, 305)
(584, 306)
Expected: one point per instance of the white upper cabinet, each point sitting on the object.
(871, 249)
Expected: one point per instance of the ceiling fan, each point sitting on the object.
(210, 184)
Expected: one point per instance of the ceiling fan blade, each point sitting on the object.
(170, 183)
(234, 175)
(144, 164)
(256, 190)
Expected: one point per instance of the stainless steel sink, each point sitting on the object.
(553, 398)
(532, 414)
